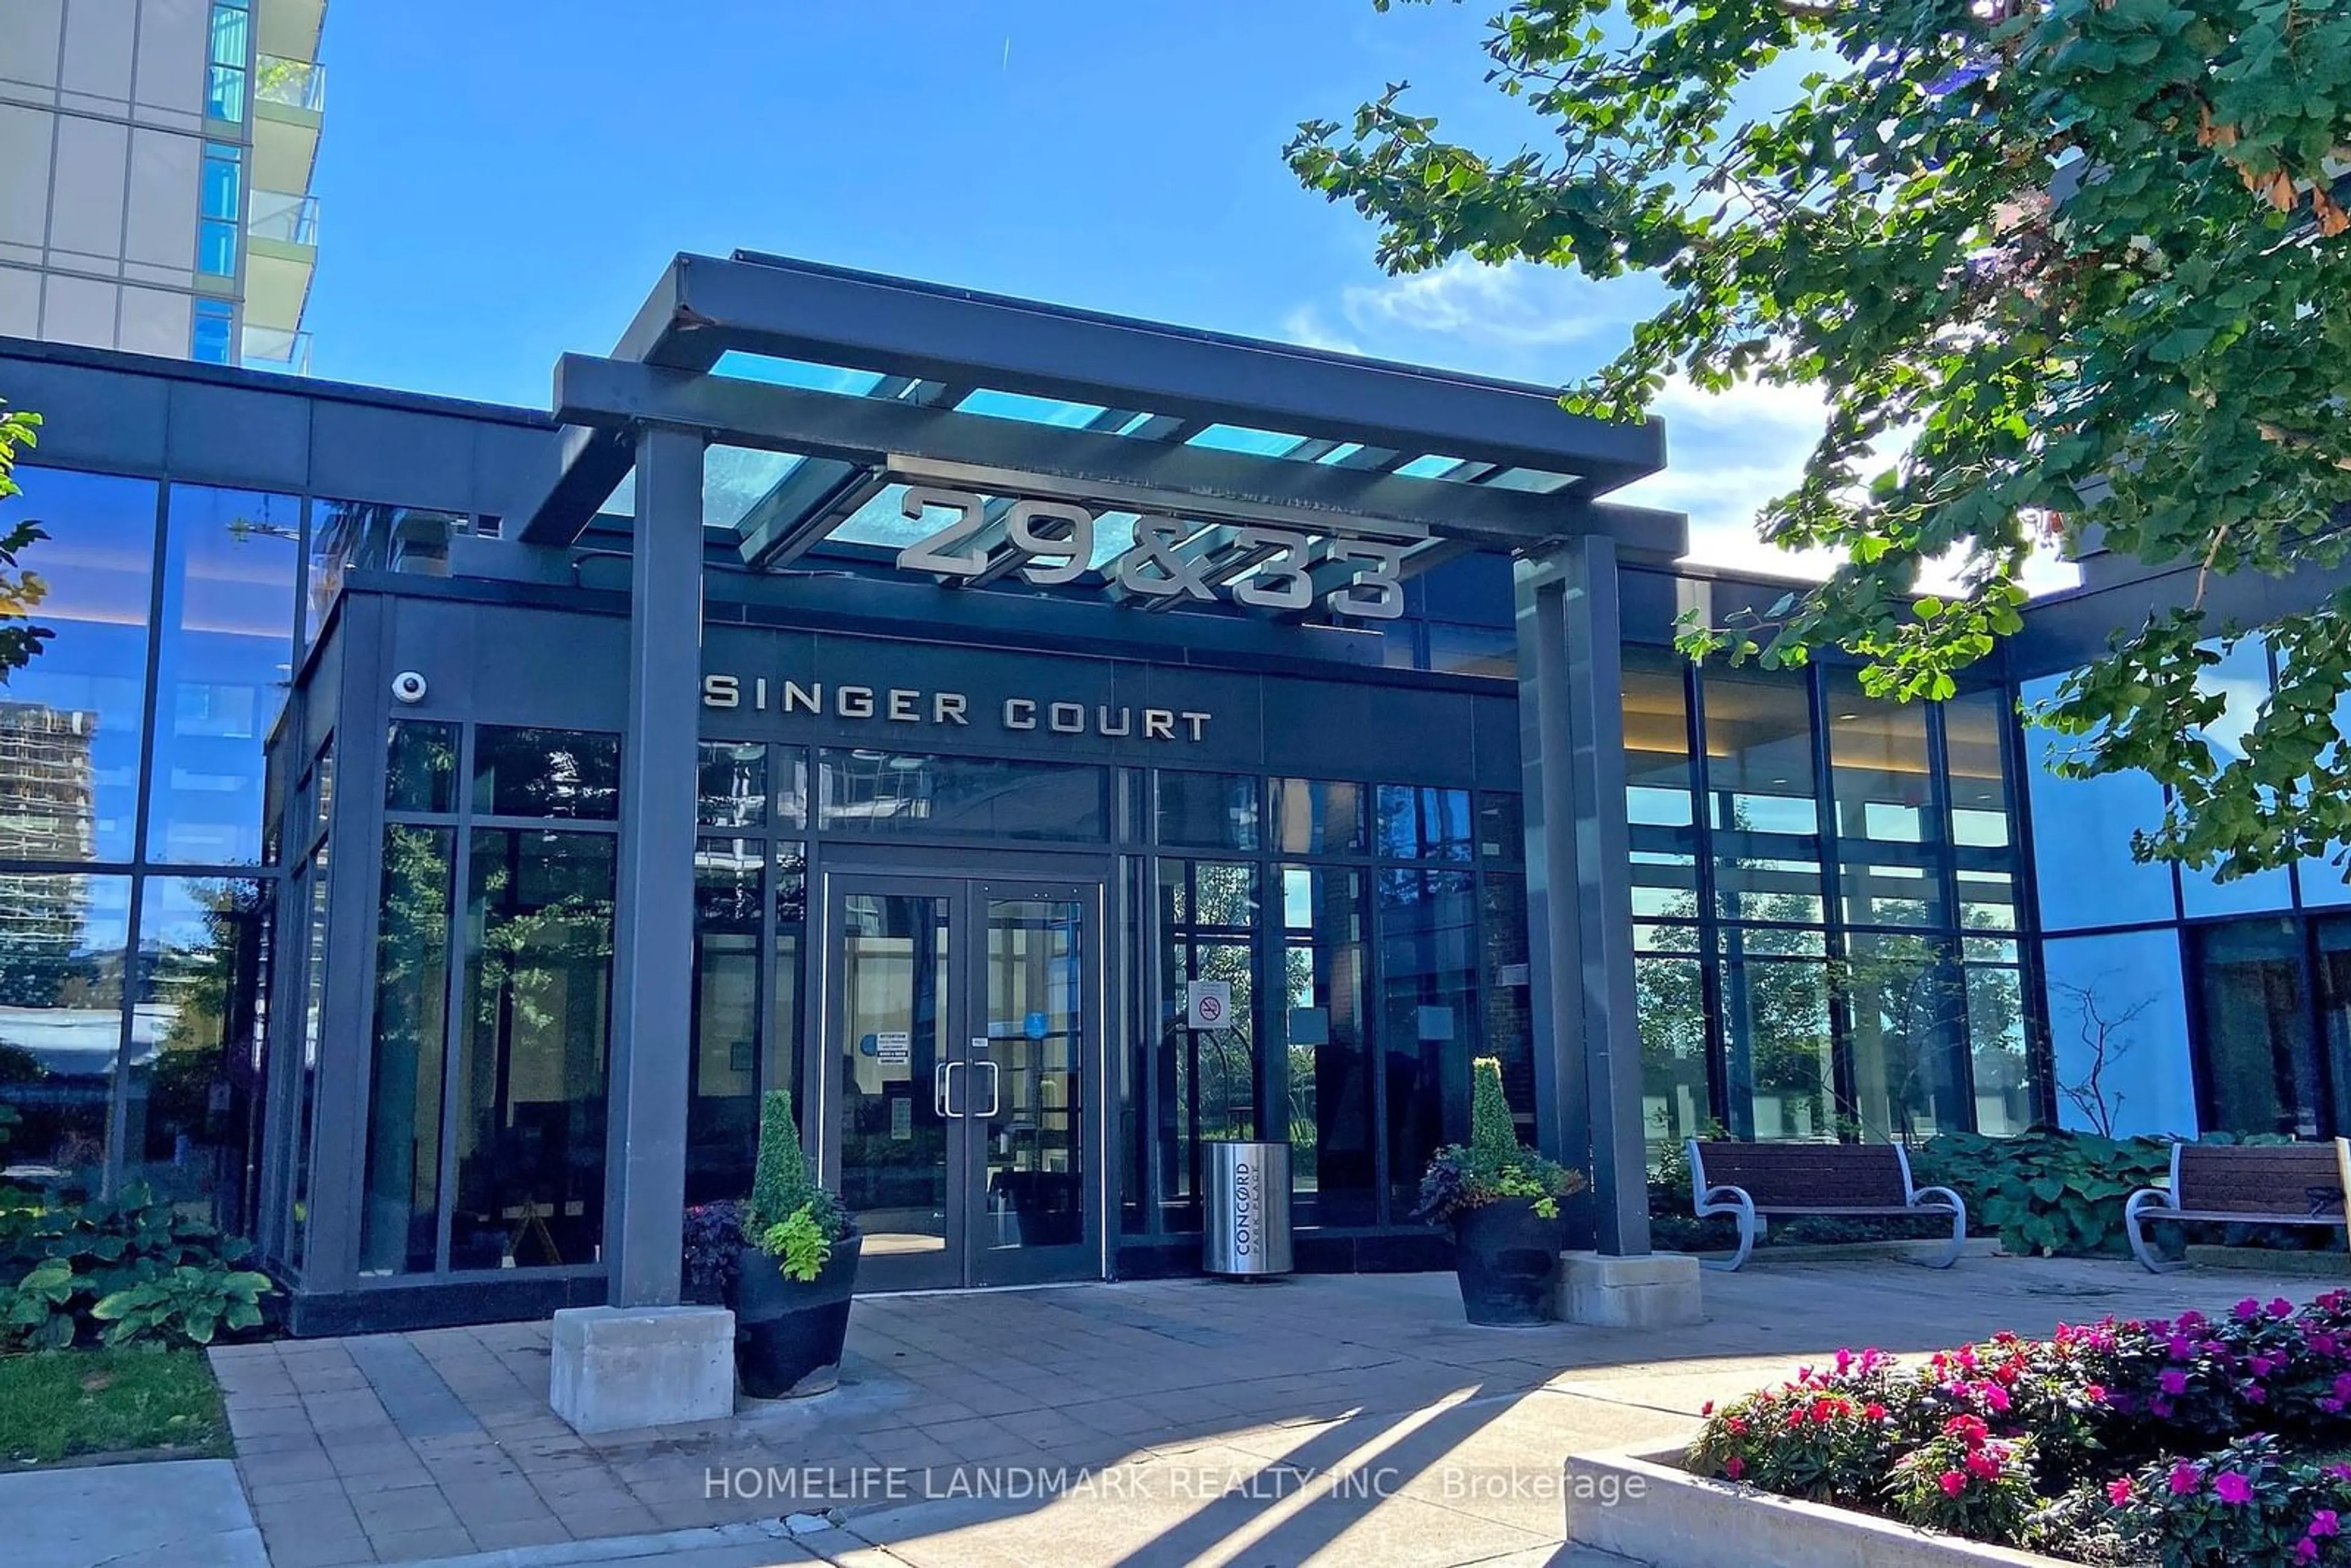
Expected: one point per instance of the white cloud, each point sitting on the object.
(1305, 328)
(1514, 305)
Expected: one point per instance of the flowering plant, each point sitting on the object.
(2244, 1503)
(1967, 1482)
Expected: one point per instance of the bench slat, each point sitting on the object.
(1808, 1176)
(2299, 1180)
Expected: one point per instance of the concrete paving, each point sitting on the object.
(1343, 1419)
(169, 1514)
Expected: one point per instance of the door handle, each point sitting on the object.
(995, 1078)
(943, 1088)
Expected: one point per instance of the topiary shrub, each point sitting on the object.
(788, 1217)
(1493, 1164)
(1492, 1132)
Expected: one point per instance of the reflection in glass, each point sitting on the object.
(1998, 1063)
(1423, 824)
(2242, 680)
(1670, 993)
(546, 773)
(1427, 1016)
(1314, 817)
(1333, 1160)
(1780, 1065)
(361, 536)
(1889, 833)
(2082, 835)
(1030, 1107)
(894, 1022)
(230, 564)
(1208, 1077)
(400, 1212)
(1208, 811)
(1508, 1009)
(893, 794)
(2331, 937)
(733, 784)
(1910, 1007)
(2119, 1020)
(71, 722)
(421, 767)
(722, 1117)
(1658, 780)
(192, 1089)
(2261, 1070)
(312, 911)
(1974, 725)
(62, 948)
(529, 1120)
(1762, 804)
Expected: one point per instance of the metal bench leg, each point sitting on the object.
(1944, 1196)
(1745, 1210)
(2133, 1212)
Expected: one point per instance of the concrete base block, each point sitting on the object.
(619, 1368)
(1658, 1290)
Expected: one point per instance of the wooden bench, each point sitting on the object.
(1752, 1180)
(2244, 1183)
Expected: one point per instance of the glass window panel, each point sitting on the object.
(212, 332)
(2260, 1063)
(900, 794)
(1974, 725)
(783, 1048)
(1206, 1078)
(1241, 438)
(2118, 1020)
(2241, 679)
(743, 365)
(192, 1091)
(531, 1123)
(222, 194)
(1334, 1162)
(62, 950)
(546, 773)
(1780, 1061)
(310, 907)
(1313, 817)
(361, 536)
(1421, 823)
(737, 479)
(1987, 900)
(1751, 887)
(1427, 1016)
(1762, 811)
(1507, 1009)
(1676, 1102)
(230, 565)
(732, 791)
(400, 1208)
(1031, 410)
(2082, 835)
(71, 724)
(1910, 1010)
(1657, 775)
(2332, 937)
(232, 34)
(2001, 1066)
(1501, 830)
(1208, 811)
(1889, 842)
(225, 90)
(1488, 652)
(1665, 885)
(421, 767)
(723, 1113)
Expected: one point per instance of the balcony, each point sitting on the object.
(290, 84)
(283, 216)
(272, 349)
(281, 241)
(289, 28)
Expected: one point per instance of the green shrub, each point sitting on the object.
(1492, 1132)
(37, 1310)
(187, 1305)
(788, 1217)
(801, 1244)
(1493, 1165)
(57, 1265)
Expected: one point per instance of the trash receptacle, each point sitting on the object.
(1247, 1204)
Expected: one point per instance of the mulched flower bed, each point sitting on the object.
(2185, 1441)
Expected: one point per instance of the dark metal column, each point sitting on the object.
(1579, 881)
(652, 940)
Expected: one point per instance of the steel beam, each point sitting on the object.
(652, 946)
(1080, 465)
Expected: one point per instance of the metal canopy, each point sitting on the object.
(864, 380)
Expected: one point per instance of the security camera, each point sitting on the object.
(408, 686)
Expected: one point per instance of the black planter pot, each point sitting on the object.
(1504, 1254)
(788, 1335)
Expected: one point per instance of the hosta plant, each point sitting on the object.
(188, 1305)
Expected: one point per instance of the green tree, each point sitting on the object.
(2056, 264)
(21, 591)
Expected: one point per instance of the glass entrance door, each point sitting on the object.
(962, 1021)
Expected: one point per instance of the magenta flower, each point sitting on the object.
(2337, 1472)
(2185, 1479)
(1952, 1482)
(2118, 1493)
(2259, 1366)
(2325, 1522)
(2174, 1381)
(1734, 1467)
(2233, 1487)
(1997, 1397)
(2306, 1550)
(2248, 1309)
(2281, 1308)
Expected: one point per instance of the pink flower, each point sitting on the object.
(2337, 1472)
(1734, 1467)
(1996, 1396)
(2233, 1487)
(2118, 1493)
(1706, 1409)
(1874, 1411)
(2325, 1523)
(2259, 1366)
(2306, 1550)
(2281, 1308)
(2174, 1381)
(1983, 1464)
(2248, 1309)
(2185, 1478)
(2096, 1393)
(1952, 1482)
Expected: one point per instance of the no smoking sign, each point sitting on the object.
(1207, 1004)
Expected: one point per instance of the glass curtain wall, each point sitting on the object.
(1824, 908)
(136, 890)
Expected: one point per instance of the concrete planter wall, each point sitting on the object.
(1644, 1506)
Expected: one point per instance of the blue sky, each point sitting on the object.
(502, 182)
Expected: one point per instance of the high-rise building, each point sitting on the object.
(155, 160)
